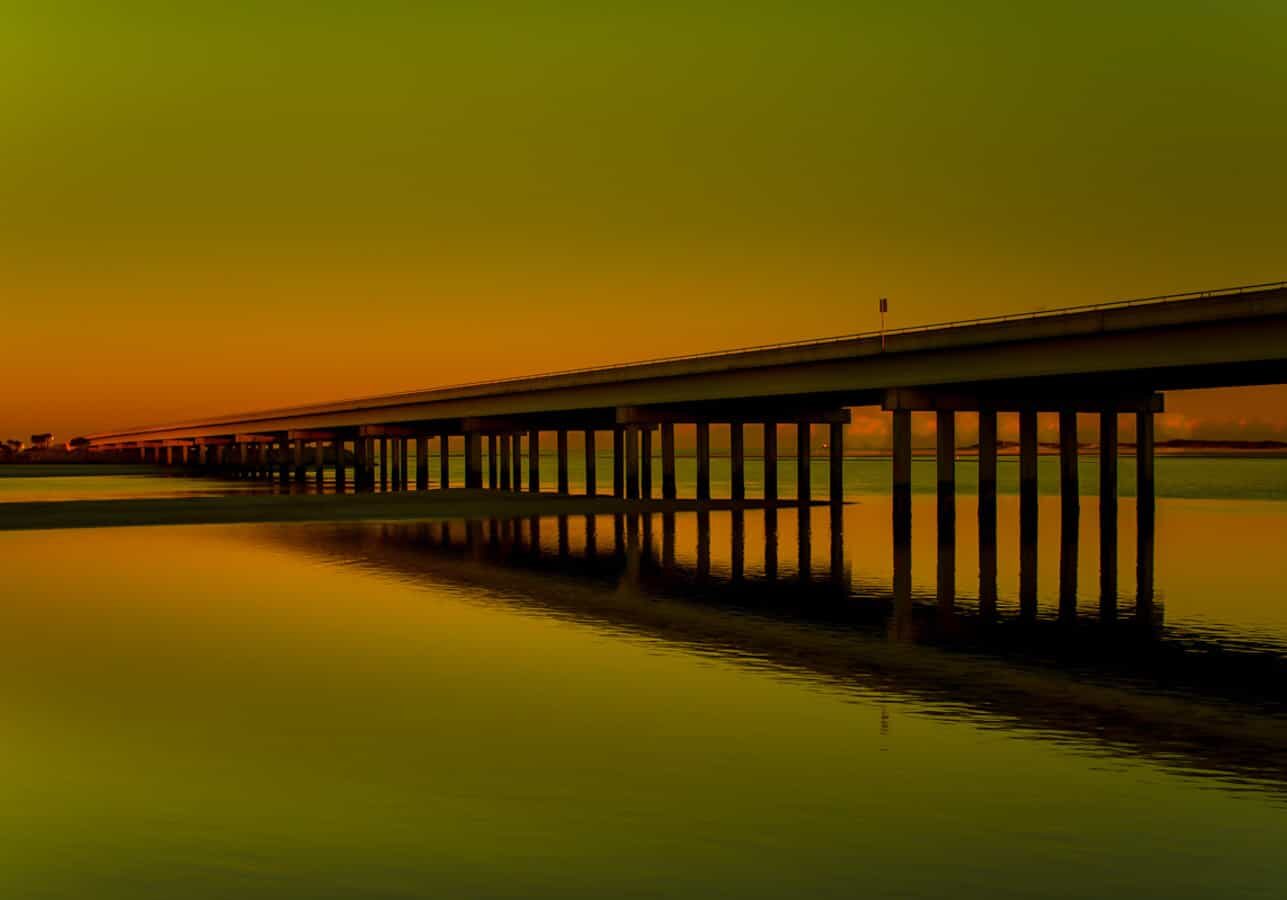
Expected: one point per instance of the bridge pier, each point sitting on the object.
(836, 480)
(669, 490)
(403, 444)
(902, 474)
(770, 455)
(645, 461)
(946, 464)
(505, 469)
(1108, 513)
(473, 460)
(987, 512)
(632, 462)
(338, 446)
(618, 462)
(803, 477)
(534, 461)
(516, 459)
(590, 459)
(298, 448)
(736, 461)
(703, 461)
(493, 442)
(1028, 505)
(561, 453)
(1069, 476)
(422, 462)
(444, 461)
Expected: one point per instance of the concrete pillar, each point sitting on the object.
(169, 456)
(1108, 513)
(534, 461)
(618, 461)
(505, 470)
(298, 448)
(987, 512)
(1028, 513)
(945, 457)
(703, 461)
(422, 463)
(338, 446)
(771, 461)
(803, 482)
(902, 471)
(360, 460)
(473, 460)
(1145, 489)
(516, 460)
(561, 448)
(669, 491)
(645, 463)
(737, 461)
(384, 463)
(444, 461)
(590, 460)
(632, 462)
(492, 449)
(1069, 477)
(836, 443)
(243, 455)
(403, 444)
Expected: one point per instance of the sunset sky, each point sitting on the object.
(209, 207)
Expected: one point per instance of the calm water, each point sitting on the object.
(692, 705)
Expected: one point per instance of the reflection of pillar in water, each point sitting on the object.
(632, 549)
(618, 535)
(900, 623)
(563, 537)
(645, 549)
(668, 542)
(474, 538)
(591, 538)
(493, 532)
(1145, 607)
(804, 521)
(838, 544)
(703, 543)
(1069, 550)
(770, 543)
(534, 535)
(946, 585)
(738, 542)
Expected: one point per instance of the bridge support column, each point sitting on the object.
(505, 469)
(473, 460)
(1144, 462)
(945, 457)
(645, 463)
(384, 464)
(771, 461)
(299, 459)
(632, 462)
(534, 461)
(444, 461)
(561, 441)
(338, 446)
(493, 442)
(1069, 477)
(703, 461)
(618, 461)
(1108, 513)
(669, 491)
(319, 461)
(803, 448)
(1028, 512)
(359, 463)
(516, 459)
(422, 463)
(836, 444)
(987, 511)
(590, 459)
(902, 472)
(737, 461)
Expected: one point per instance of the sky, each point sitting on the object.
(214, 207)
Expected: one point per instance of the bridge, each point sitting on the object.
(1107, 359)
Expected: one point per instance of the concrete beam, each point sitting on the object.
(642, 415)
(385, 431)
(312, 435)
(256, 439)
(929, 400)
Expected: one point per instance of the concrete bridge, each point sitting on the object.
(1108, 359)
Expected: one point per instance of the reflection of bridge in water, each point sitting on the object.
(1113, 682)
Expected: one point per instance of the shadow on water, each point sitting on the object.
(773, 588)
